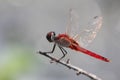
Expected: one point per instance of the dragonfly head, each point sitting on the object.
(50, 36)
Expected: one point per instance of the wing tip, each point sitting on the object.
(98, 17)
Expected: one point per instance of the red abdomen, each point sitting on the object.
(90, 53)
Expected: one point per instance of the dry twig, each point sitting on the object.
(70, 66)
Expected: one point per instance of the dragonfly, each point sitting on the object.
(74, 39)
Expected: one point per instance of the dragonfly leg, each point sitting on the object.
(63, 51)
(49, 51)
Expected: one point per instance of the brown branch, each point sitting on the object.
(70, 66)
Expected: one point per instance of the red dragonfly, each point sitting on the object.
(74, 39)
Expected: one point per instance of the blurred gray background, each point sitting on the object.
(23, 28)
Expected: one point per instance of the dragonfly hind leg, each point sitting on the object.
(63, 51)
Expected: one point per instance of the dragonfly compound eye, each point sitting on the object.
(50, 36)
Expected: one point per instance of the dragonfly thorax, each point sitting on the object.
(50, 36)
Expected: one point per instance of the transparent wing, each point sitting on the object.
(88, 35)
(72, 27)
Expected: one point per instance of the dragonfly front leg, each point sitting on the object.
(63, 51)
(49, 51)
